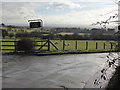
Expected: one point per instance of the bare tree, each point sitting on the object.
(111, 59)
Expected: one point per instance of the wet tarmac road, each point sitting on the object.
(57, 71)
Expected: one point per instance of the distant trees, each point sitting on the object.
(10, 35)
(2, 24)
(25, 34)
(76, 36)
(45, 35)
(4, 33)
(9, 28)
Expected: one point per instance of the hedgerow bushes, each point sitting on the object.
(26, 45)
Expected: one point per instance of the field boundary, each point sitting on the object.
(64, 44)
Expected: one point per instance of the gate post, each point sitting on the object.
(63, 44)
(111, 45)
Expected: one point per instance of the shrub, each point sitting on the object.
(24, 34)
(26, 45)
(11, 35)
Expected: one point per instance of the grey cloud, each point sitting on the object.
(16, 12)
(11, 6)
(64, 4)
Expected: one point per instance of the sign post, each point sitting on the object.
(37, 23)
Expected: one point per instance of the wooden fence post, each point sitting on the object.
(86, 45)
(96, 45)
(76, 44)
(103, 45)
(63, 44)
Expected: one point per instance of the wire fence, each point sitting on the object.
(50, 45)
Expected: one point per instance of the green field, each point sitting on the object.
(67, 45)
(81, 45)
(69, 33)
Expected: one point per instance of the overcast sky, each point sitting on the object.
(57, 12)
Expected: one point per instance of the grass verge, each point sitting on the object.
(114, 83)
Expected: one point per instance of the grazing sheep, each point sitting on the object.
(56, 42)
(68, 44)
